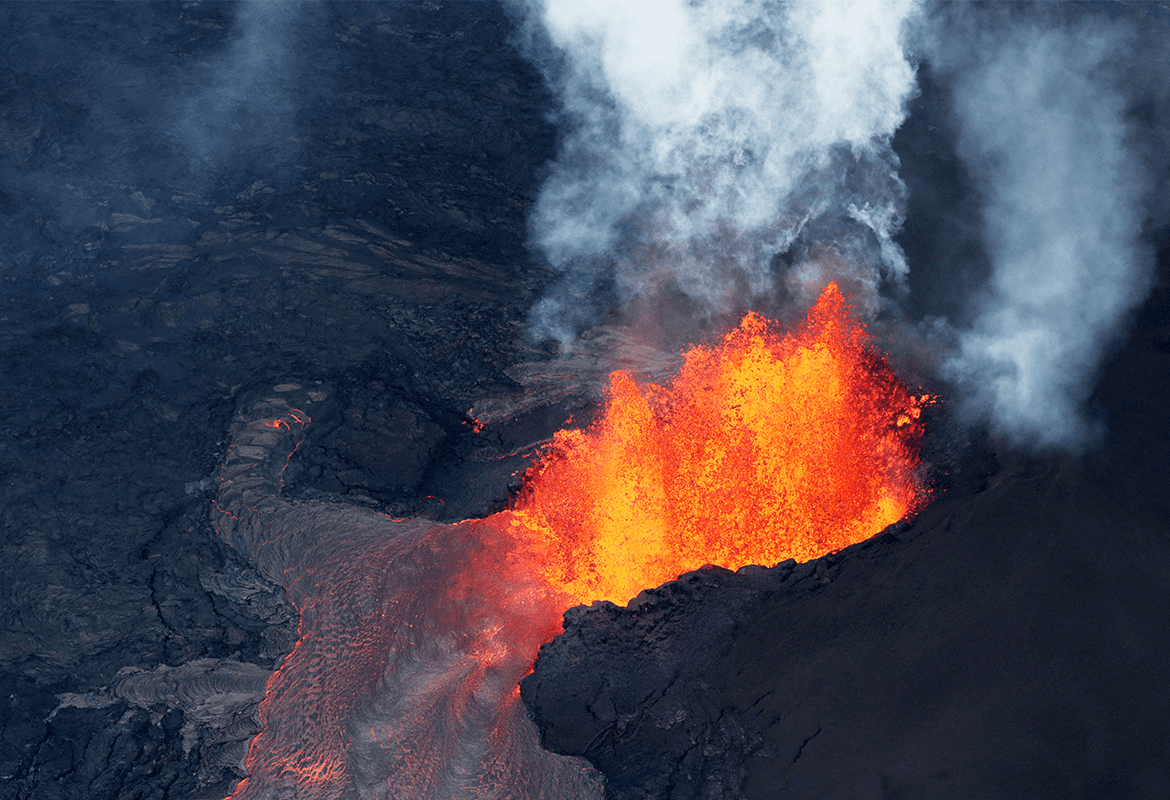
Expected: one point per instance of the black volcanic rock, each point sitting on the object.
(176, 239)
(1008, 643)
(381, 443)
(176, 236)
(631, 688)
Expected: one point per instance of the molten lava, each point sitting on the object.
(414, 634)
(763, 448)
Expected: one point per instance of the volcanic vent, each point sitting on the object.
(763, 448)
(414, 634)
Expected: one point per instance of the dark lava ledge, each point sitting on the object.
(1004, 644)
(1008, 642)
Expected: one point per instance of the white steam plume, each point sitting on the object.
(1043, 131)
(703, 137)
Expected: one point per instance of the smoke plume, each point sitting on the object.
(702, 139)
(1043, 130)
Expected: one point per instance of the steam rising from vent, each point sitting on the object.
(736, 155)
(1043, 131)
(704, 138)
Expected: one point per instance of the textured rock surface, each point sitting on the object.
(176, 239)
(359, 219)
(1008, 643)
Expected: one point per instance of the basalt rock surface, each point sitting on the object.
(1006, 643)
(983, 652)
(200, 202)
(195, 203)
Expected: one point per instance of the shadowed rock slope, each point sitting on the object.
(1009, 642)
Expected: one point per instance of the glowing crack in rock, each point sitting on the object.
(414, 634)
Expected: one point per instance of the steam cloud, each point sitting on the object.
(1043, 130)
(704, 138)
(731, 150)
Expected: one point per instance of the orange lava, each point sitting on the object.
(763, 448)
(413, 635)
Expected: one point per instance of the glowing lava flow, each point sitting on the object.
(414, 634)
(763, 448)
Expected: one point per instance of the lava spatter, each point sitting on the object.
(764, 447)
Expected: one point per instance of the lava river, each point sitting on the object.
(414, 635)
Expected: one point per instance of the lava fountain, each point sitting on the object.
(414, 635)
(763, 448)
